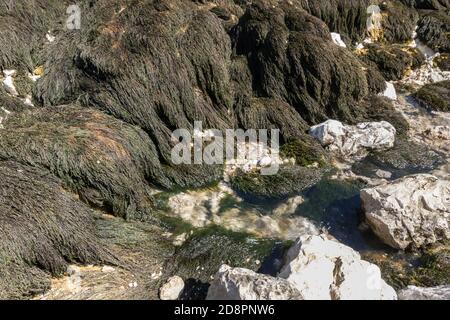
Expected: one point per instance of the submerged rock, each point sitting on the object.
(243, 284)
(354, 141)
(172, 289)
(418, 293)
(413, 210)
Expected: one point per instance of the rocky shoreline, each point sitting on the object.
(92, 207)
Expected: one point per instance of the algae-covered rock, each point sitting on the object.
(406, 157)
(43, 228)
(399, 21)
(289, 180)
(434, 30)
(199, 258)
(393, 61)
(104, 160)
(435, 96)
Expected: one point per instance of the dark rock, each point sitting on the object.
(435, 96)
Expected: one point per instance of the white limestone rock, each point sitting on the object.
(323, 269)
(243, 284)
(418, 293)
(411, 210)
(336, 37)
(172, 289)
(354, 141)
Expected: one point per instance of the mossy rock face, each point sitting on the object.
(435, 96)
(434, 30)
(399, 22)
(306, 151)
(406, 157)
(201, 256)
(393, 61)
(442, 61)
(43, 229)
(288, 181)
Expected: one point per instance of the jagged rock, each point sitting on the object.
(413, 210)
(353, 141)
(418, 293)
(435, 96)
(243, 284)
(172, 289)
(325, 269)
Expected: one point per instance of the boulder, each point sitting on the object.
(413, 210)
(243, 284)
(172, 289)
(323, 269)
(418, 293)
(353, 141)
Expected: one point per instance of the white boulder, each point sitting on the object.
(418, 293)
(172, 289)
(323, 269)
(336, 37)
(8, 82)
(390, 91)
(354, 141)
(411, 210)
(243, 284)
